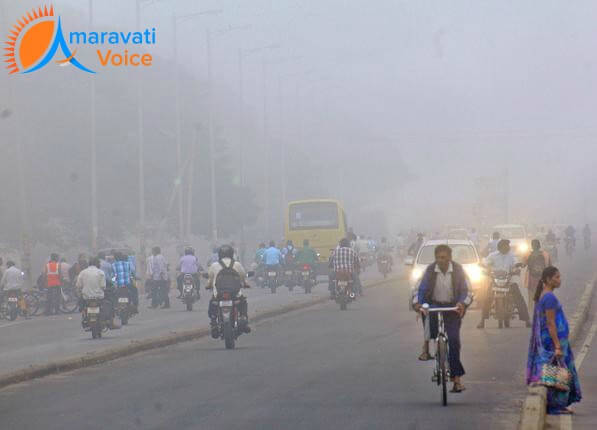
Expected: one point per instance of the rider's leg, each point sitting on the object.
(485, 306)
(452, 324)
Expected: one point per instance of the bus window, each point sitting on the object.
(315, 215)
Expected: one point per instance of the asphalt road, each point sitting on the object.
(315, 368)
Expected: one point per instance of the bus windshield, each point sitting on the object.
(304, 216)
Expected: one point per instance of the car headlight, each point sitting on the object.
(523, 248)
(474, 273)
(416, 274)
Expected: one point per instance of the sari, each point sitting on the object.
(541, 351)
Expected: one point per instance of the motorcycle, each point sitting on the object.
(570, 246)
(93, 319)
(271, 279)
(124, 309)
(344, 292)
(10, 307)
(228, 319)
(552, 250)
(384, 266)
(190, 294)
(289, 279)
(306, 276)
(503, 308)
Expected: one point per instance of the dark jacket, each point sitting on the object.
(460, 285)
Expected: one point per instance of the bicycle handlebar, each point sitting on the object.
(428, 309)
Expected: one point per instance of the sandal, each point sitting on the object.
(457, 388)
(425, 356)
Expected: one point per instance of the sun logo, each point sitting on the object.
(34, 40)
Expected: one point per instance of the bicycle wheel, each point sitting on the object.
(41, 303)
(32, 301)
(442, 352)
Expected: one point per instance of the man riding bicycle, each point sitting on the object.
(445, 284)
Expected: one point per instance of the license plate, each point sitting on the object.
(500, 290)
(188, 288)
(226, 303)
(93, 310)
(271, 273)
(342, 284)
(123, 300)
(288, 273)
(305, 273)
(13, 299)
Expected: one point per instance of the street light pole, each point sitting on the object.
(178, 139)
(212, 156)
(94, 217)
(141, 160)
(190, 183)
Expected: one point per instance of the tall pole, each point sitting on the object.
(212, 155)
(282, 143)
(190, 183)
(178, 132)
(141, 162)
(94, 217)
(266, 169)
(241, 149)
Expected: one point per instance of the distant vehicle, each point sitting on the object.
(517, 235)
(321, 221)
(463, 252)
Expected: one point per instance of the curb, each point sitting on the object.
(95, 358)
(534, 406)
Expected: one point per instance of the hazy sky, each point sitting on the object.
(460, 88)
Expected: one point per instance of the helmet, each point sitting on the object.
(225, 251)
(189, 251)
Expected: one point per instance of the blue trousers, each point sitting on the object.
(452, 324)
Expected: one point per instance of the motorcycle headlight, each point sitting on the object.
(523, 248)
(474, 273)
(416, 274)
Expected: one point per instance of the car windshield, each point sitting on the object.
(463, 254)
(305, 216)
(511, 232)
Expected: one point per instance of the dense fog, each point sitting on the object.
(414, 114)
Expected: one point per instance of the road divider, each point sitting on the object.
(534, 409)
(95, 358)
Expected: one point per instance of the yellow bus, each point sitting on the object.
(322, 221)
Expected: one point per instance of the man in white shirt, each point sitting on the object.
(12, 279)
(504, 260)
(91, 282)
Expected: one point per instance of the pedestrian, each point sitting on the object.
(549, 343)
(53, 285)
(157, 278)
(536, 262)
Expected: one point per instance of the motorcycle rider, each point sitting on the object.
(91, 284)
(570, 236)
(586, 234)
(307, 255)
(123, 274)
(346, 259)
(12, 280)
(385, 250)
(157, 278)
(226, 260)
(503, 259)
(188, 265)
(272, 258)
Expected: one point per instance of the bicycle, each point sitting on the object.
(441, 372)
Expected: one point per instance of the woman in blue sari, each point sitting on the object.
(549, 341)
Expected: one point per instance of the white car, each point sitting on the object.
(517, 235)
(463, 252)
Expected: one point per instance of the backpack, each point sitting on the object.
(536, 264)
(228, 279)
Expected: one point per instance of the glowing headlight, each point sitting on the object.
(416, 274)
(474, 273)
(523, 247)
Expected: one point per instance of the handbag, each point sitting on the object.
(555, 375)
